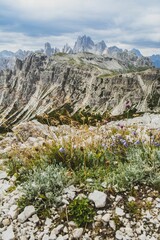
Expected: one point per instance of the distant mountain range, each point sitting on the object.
(84, 44)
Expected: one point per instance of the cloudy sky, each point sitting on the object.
(28, 24)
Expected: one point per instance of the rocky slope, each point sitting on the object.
(40, 85)
(133, 214)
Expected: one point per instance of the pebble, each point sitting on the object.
(77, 233)
(28, 212)
(99, 198)
(106, 217)
(119, 235)
(3, 175)
(119, 211)
(8, 234)
(112, 224)
(6, 222)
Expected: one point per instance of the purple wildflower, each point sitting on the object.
(127, 104)
(62, 150)
(134, 133)
(125, 144)
(156, 144)
(137, 142)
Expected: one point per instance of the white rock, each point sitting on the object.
(32, 237)
(104, 184)
(106, 217)
(72, 224)
(148, 215)
(66, 237)
(129, 231)
(57, 230)
(77, 232)
(158, 200)
(153, 238)
(48, 222)
(65, 230)
(112, 224)
(158, 205)
(65, 201)
(8, 234)
(45, 237)
(52, 236)
(3, 175)
(60, 238)
(6, 222)
(119, 211)
(70, 191)
(130, 199)
(23, 238)
(98, 218)
(34, 218)
(99, 198)
(142, 237)
(89, 180)
(28, 212)
(118, 198)
(119, 235)
(13, 212)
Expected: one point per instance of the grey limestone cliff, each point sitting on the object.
(40, 85)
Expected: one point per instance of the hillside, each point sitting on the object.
(83, 81)
(79, 149)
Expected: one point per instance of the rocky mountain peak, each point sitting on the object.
(83, 44)
(67, 49)
(48, 49)
(100, 47)
(136, 52)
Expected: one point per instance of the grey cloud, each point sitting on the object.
(125, 21)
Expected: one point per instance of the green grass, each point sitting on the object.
(120, 160)
(81, 212)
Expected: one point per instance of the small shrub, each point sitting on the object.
(134, 208)
(81, 211)
(44, 187)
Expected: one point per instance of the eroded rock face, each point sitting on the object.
(40, 85)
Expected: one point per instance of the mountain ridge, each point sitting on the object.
(83, 44)
(39, 85)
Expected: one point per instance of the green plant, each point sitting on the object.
(117, 221)
(141, 167)
(81, 211)
(134, 208)
(20, 164)
(44, 187)
(148, 205)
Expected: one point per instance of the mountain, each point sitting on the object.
(39, 85)
(155, 59)
(6, 54)
(85, 44)
(136, 52)
(8, 58)
(100, 47)
(47, 49)
(67, 49)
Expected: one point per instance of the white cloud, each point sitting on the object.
(127, 22)
(14, 41)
